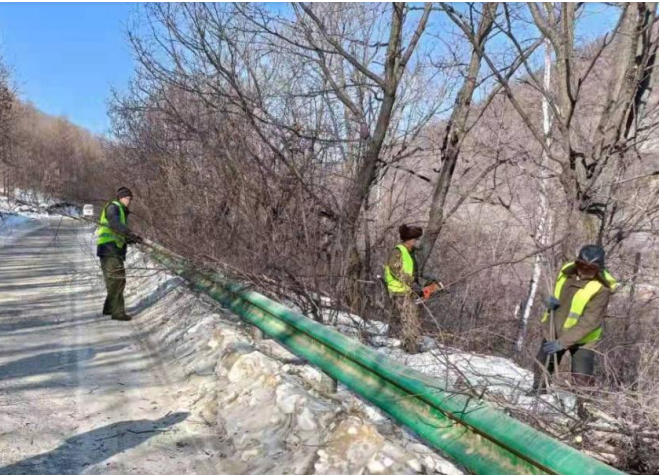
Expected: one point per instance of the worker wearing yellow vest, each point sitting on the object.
(579, 302)
(401, 280)
(113, 236)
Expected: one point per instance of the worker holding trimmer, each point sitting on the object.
(114, 236)
(573, 321)
(402, 282)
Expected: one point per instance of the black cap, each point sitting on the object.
(124, 192)
(407, 232)
(593, 254)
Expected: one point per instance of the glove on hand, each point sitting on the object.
(417, 289)
(553, 303)
(134, 239)
(552, 347)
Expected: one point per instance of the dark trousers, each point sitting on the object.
(582, 364)
(114, 275)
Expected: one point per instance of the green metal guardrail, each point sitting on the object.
(473, 433)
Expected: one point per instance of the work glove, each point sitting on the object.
(134, 239)
(552, 303)
(417, 289)
(552, 347)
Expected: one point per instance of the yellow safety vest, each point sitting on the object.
(395, 286)
(580, 301)
(105, 233)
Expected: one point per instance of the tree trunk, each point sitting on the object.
(361, 186)
(541, 234)
(631, 298)
(629, 86)
(454, 134)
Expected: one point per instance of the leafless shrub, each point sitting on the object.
(284, 146)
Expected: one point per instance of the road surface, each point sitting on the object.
(80, 393)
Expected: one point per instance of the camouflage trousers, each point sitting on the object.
(405, 322)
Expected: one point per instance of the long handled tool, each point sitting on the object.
(546, 373)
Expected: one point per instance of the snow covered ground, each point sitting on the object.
(17, 220)
(498, 379)
(80, 394)
(36, 206)
(272, 410)
(273, 413)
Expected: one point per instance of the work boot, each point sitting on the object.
(583, 412)
(539, 386)
(123, 318)
(537, 391)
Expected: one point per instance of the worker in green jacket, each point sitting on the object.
(402, 282)
(576, 308)
(114, 236)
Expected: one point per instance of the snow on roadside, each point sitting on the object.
(9, 222)
(271, 410)
(496, 378)
(16, 221)
(36, 206)
(494, 373)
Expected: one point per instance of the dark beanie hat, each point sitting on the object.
(124, 192)
(593, 254)
(409, 232)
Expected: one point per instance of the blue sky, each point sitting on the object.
(65, 57)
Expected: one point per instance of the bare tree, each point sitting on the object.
(477, 26)
(319, 86)
(544, 213)
(583, 160)
(6, 103)
(397, 57)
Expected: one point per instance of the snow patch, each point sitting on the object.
(15, 226)
(270, 408)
